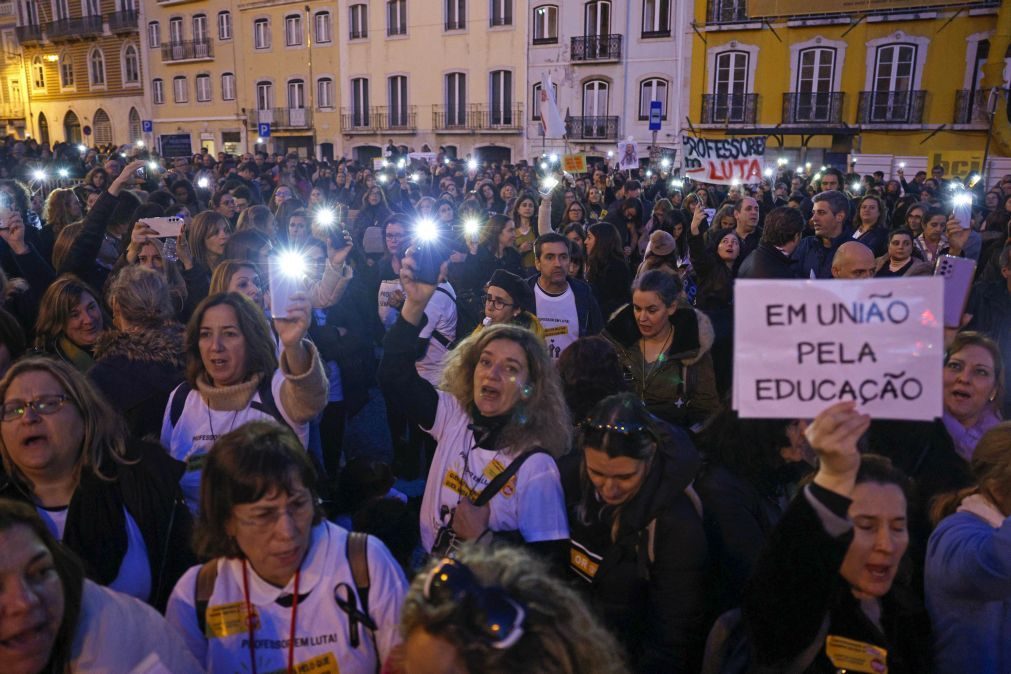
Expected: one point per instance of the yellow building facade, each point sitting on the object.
(901, 82)
(12, 75)
(191, 49)
(81, 65)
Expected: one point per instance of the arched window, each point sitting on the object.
(103, 128)
(133, 119)
(43, 128)
(72, 127)
(228, 86)
(131, 65)
(225, 25)
(38, 73)
(66, 70)
(653, 89)
(324, 93)
(501, 97)
(546, 24)
(96, 68)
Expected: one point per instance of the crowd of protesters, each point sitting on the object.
(184, 341)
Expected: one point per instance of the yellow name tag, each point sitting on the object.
(554, 332)
(856, 656)
(225, 620)
(581, 562)
(321, 664)
(455, 482)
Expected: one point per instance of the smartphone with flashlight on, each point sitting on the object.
(962, 209)
(329, 223)
(547, 184)
(428, 257)
(287, 277)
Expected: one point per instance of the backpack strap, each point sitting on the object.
(207, 576)
(500, 480)
(267, 404)
(357, 552)
(443, 339)
(182, 392)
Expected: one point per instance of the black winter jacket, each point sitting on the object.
(656, 606)
(767, 262)
(797, 599)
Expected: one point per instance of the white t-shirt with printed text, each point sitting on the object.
(199, 426)
(532, 501)
(322, 629)
(558, 316)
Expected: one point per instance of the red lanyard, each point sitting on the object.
(250, 617)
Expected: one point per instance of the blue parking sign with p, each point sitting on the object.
(147, 126)
(263, 128)
(655, 114)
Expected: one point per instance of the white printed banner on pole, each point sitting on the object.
(800, 346)
(725, 161)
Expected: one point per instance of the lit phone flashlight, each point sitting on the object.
(962, 209)
(548, 184)
(471, 229)
(203, 183)
(287, 274)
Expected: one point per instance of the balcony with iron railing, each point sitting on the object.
(282, 118)
(591, 128)
(891, 107)
(727, 11)
(28, 34)
(477, 118)
(74, 29)
(188, 50)
(729, 108)
(123, 21)
(971, 108)
(380, 119)
(7, 9)
(813, 107)
(596, 48)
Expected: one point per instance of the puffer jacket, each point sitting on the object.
(137, 370)
(682, 389)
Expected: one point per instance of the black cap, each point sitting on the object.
(515, 286)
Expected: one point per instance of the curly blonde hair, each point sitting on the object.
(542, 418)
(560, 633)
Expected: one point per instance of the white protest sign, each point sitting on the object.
(800, 346)
(726, 161)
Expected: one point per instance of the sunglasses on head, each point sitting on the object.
(490, 612)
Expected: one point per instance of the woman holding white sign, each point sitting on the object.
(823, 597)
(664, 348)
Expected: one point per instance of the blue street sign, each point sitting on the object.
(655, 112)
(147, 126)
(263, 128)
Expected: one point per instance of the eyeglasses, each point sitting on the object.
(490, 612)
(496, 302)
(16, 409)
(297, 507)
